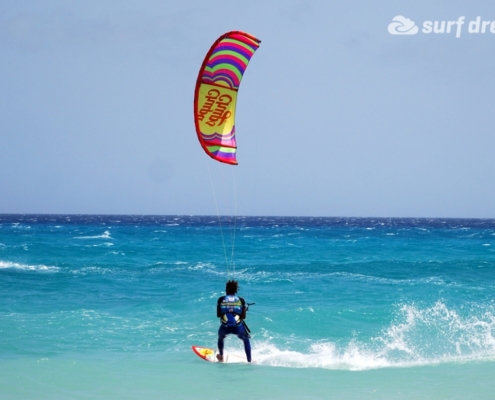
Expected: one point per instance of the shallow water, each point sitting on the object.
(108, 306)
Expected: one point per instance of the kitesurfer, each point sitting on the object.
(231, 309)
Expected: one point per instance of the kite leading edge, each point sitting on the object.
(215, 95)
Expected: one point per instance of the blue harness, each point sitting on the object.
(231, 308)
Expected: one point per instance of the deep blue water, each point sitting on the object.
(108, 306)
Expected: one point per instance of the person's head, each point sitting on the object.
(231, 287)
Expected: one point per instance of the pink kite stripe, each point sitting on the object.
(237, 60)
(244, 39)
(238, 47)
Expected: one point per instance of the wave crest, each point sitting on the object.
(27, 267)
(416, 336)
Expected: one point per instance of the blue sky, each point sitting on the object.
(335, 115)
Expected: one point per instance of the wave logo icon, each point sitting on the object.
(401, 25)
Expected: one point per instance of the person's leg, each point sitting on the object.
(221, 336)
(243, 335)
(247, 347)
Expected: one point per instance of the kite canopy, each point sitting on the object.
(215, 95)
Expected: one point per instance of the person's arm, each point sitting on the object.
(219, 310)
(244, 309)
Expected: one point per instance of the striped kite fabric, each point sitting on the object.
(215, 95)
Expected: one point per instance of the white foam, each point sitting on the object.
(106, 244)
(319, 355)
(104, 235)
(118, 253)
(354, 357)
(204, 267)
(26, 267)
(92, 271)
(418, 336)
(19, 226)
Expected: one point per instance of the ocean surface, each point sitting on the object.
(107, 307)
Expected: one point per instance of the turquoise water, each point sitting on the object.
(108, 307)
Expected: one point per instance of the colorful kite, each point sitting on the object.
(216, 93)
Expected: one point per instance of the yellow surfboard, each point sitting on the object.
(211, 355)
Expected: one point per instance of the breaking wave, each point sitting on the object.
(416, 336)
